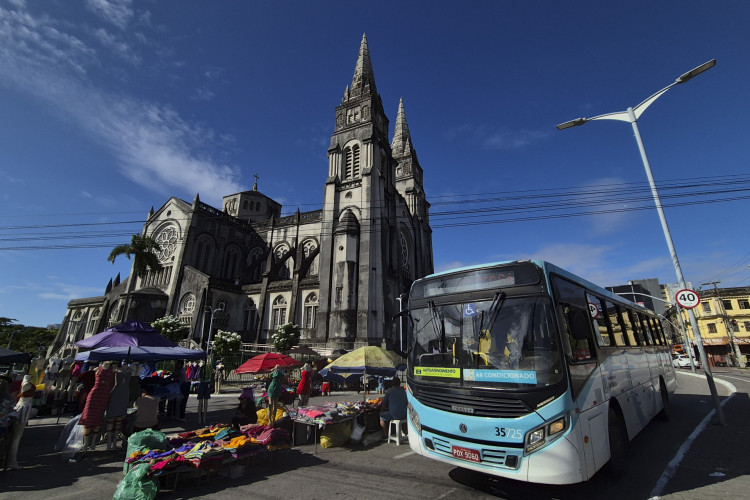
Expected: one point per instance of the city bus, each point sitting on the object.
(525, 371)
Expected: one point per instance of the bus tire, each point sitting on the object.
(666, 411)
(618, 445)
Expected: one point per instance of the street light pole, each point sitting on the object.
(631, 115)
(728, 326)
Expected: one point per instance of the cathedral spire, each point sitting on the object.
(401, 143)
(363, 81)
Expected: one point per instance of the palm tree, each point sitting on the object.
(143, 249)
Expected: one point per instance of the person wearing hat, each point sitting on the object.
(246, 412)
(305, 385)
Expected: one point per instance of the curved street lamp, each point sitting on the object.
(631, 115)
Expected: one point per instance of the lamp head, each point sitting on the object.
(571, 123)
(696, 71)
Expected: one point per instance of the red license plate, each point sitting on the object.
(466, 454)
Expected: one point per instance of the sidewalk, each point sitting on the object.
(717, 464)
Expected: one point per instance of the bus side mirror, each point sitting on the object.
(578, 320)
(399, 329)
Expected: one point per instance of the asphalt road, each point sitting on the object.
(378, 471)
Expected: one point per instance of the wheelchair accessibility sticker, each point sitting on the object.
(470, 309)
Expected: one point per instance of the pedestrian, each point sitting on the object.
(179, 375)
(394, 405)
(305, 385)
(381, 385)
(274, 392)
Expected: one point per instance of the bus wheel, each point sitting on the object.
(666, 411)
(618, 445)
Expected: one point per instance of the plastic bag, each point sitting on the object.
(148, 439)
(357, 432)
(70, 441)
(336, 434)
(135, 486)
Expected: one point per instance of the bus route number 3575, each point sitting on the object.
(509, 433)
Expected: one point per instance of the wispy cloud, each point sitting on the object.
(116, 12)
(154, 146)
(496, 139)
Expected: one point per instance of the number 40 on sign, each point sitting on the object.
(687, 298)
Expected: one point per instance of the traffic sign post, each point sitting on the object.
(687, 298)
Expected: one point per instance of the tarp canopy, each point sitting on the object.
(371, 360)
(265, 363)
(8, 356)
(132, 334)
(303, 351)
(140, 354)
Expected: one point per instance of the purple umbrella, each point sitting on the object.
(131, 334)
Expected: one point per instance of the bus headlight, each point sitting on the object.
(545, 434)
(414, 418)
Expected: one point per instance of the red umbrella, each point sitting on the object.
(266, 362)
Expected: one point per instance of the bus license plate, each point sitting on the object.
(466, 454)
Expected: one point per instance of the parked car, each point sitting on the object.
(683, 361)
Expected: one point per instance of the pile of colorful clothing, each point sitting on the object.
(209, 446)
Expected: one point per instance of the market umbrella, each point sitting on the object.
(370, 360)
(131, 334)
(8, 356)
(140, 354)
(266, 362)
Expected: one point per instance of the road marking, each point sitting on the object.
(404, 455)
(672, 466)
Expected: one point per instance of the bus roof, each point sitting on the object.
(549, 268)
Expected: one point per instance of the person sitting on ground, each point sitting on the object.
(247, 412)
(394, 405)
(147, 416)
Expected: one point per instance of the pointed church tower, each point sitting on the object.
(409, 178)
(356, 233)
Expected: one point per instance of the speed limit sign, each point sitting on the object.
(687, 298)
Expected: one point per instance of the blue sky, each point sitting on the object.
(108, 108)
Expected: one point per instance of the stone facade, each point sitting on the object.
(336, 272)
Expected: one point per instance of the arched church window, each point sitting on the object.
(311, 310)
(251, 315)
(232, 258)
(278, 311)
(308, 248)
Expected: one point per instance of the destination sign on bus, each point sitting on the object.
(480, 279)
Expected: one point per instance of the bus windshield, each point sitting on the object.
(504, 343)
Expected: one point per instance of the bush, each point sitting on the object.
(286, 337)
(226, 343)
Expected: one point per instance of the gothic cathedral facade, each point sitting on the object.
(336, 272)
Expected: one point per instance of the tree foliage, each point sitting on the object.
(286, 337)
(226, 343)
(31, 339)
(142, 249)
(172, 328)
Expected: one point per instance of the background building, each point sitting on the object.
(336, 272)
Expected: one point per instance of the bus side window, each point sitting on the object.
(578, 324)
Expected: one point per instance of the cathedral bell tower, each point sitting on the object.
(358, 191)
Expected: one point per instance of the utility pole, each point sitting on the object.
(730, 330)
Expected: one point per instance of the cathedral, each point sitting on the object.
(336, 272)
